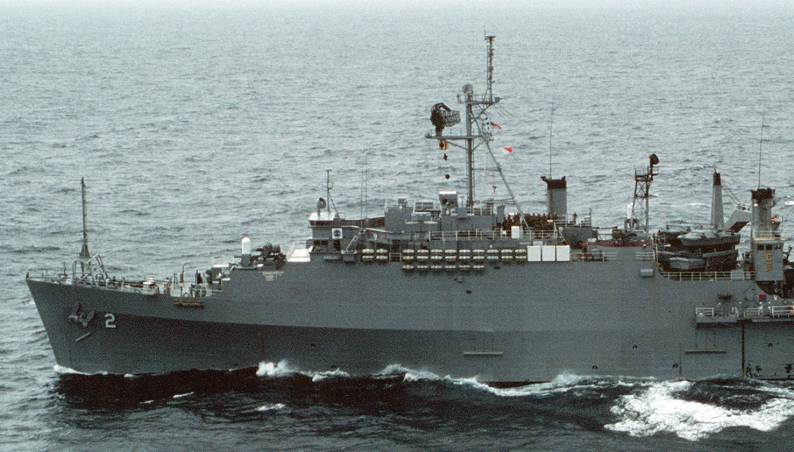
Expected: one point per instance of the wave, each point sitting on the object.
(135, 212)
(560, 384)
(275, 370)
(635, 407)
(35, 249)
(337, 373)
(690, 410)
(659, 409)
(282, 369)
(271, 407)
(63, 370)
(182, 395)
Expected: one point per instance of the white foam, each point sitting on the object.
(63, 370)
(129, 376)
(393, 369)
(410, 375)
(419, 375)
(656, 409)
(271, 407)
(179, 396)
(277, 370)
(558, 385)
(147, 402)
(561, 383)
(283, 369)
(772, 389)
(336, 373)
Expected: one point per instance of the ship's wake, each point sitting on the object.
(690, 410)
(562, 383)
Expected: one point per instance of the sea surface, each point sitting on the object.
(196, 122)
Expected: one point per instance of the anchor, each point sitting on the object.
(81, 317)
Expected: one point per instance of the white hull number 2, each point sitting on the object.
(110, 320)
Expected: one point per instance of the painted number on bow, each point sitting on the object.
(110, 320)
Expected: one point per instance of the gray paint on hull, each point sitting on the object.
(521, 322)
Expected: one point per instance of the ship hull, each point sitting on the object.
(511, 323)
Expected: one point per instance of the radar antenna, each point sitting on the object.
(442, 117)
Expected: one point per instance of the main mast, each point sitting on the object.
(442, 117)
(468, 91)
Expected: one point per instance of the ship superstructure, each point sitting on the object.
(455, 285)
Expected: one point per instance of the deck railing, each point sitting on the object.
(710, 314)
(469, 235)
(546, 236)
(737, 275)
(782, 311)
(148, 286)
(597, 255)
(704, 312)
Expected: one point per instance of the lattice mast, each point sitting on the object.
(489, 70)
(640, 205)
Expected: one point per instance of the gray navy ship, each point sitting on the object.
(457, 286)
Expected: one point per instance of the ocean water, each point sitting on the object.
(194, 122)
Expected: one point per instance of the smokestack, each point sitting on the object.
(765, 243)
(557, 198)
(763, 200)
(717, 215)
